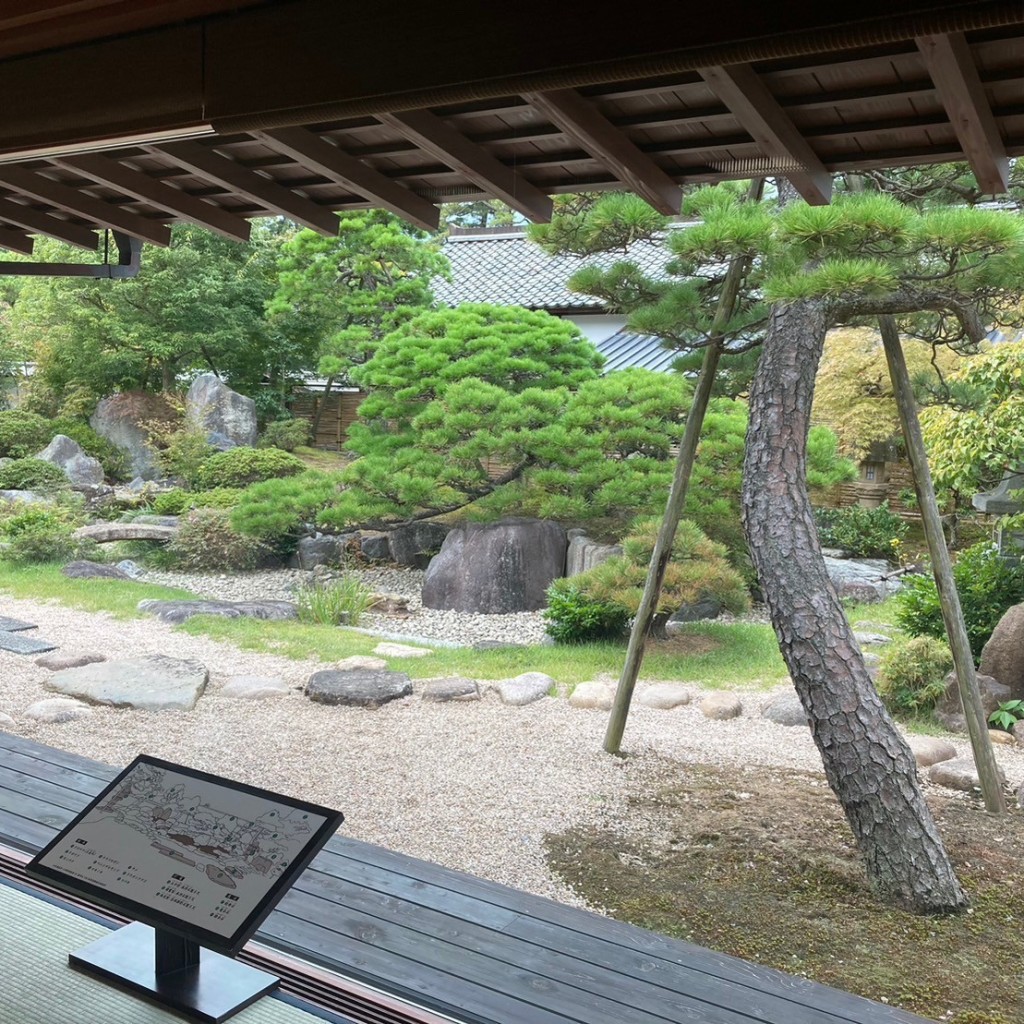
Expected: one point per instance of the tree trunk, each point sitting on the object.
(867, 763)
(315, 428)
(168, 377)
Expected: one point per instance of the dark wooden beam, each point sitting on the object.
(150, 190)
(15, 241)
(592, 131)
(436, 137)
(82, 205)
(952, 69)
(759, 112)
(43, 224)
(229, 174)
(313, 152)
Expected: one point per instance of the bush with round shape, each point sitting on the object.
(36, 534)
(988, 585)
(861, 532)
(912, 674)
(573, 617)
(176, 502)
(23, 433)
(285, 434)
(206, 540)
(240, 467)
(32, 475)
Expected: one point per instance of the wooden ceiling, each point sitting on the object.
(219, 112)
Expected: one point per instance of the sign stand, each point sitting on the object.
(175, 972)
(198, 862)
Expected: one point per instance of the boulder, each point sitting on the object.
(583, 553)
(56, 711)
(131, 569)
(523, 689)
(786, 709)
(452, 689)
(665, 696)
(721, 706)
(871, 639)
(415, 544)
(222, 411)
(959, 774)
(1003, 654)
(706, 608)
(861, 580)
(390, 604)
(57, 661)
(27, 497)
(86, 570)
(375, 546)
(496, 568)
(153, 682)
(949, 712)
(254, 687)
(390, 650)
(177, 612)
(929, 750)
(119, 419)
(1001, 738)
(84, 473)
(323, 549)
(597, 696)
(357, 687)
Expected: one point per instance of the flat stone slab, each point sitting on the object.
(61, 660)
(254, 687)
(361, 661)
(523, 689)
(56, 710)
(594, 695)
(150, 683)
(454, 688)
(8, 625)
(878, 639)
(389, 650)
(18, 644)
(665, 696)
(177, 612)
(105, 533)
(357, 687)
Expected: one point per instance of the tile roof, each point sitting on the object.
(509, 270)
(626, 351)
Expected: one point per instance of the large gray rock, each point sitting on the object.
(150, 683)
(523, 689)
(375, 546)
(415, 544)
(323, 549)
(104, 533)
(949, 711)
(357, 687)
(583, 553)
(1003, 655)
(960, 774)
(786, 709)
(84, 473)
(698, 611)
(496, 568)
(222, 411)
(863, 580)
(119, 419)
(929, 750)
(86, 570)
(177, 612)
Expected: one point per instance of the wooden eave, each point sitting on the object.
(671, 122)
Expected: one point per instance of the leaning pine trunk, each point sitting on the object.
(867, 763)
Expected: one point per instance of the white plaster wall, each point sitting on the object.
(597, 326)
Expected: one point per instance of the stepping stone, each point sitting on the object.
(55, 710)
(254, 687)
(929, 750)
(523, 689)
(960, 774)
(599, 696)
(176, 612)
(151, 683)
(721, 706)
(454, 688)
(357, 687)
(665, 696)
(69, 659)
(786, 709)
(14, 625)
(18, 644)
(361, 661)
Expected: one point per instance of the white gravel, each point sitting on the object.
(474, 786)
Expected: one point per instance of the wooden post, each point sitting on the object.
(952, 614)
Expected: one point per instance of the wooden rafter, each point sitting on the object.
(740, 88)
(43, 224)
(229, 174)
(15, 241)
(150, 190)
(593, 132)
(333, 163)
(85, 206)
(435, 136)
(952, 69)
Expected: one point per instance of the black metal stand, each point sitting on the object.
(174, 972)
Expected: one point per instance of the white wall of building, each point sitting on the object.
(597, 326)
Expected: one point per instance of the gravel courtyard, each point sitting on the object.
(474, 786)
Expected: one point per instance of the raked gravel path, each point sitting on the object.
(474, 786)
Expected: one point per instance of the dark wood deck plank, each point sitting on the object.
(479, 950)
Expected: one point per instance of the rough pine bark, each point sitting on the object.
(868, 765)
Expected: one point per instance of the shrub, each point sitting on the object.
(698, 570)
(178, 501)
(240, 467)
(912, 674)
(32, 475)
(180, 447)
(863, 532)
(37, 533)
(23, 433)
(285, 434)
(987, 584)
(206, 540)
(275, 510)
(334, 602)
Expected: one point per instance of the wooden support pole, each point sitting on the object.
(952, 614)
